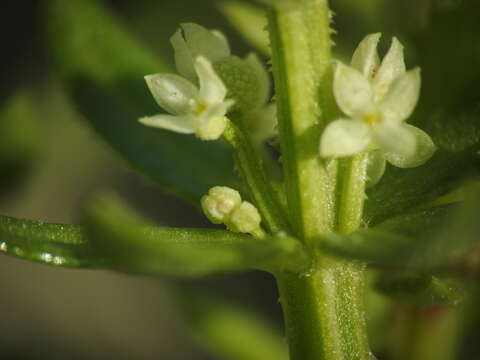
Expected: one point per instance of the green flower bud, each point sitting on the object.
(245, 219)
(246, 81)
(219, 204)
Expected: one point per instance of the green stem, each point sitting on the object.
(323, 309)
(300, 38)
(253, 174)
(324, 313)
(353, 173)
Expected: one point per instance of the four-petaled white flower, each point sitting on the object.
(195, 110)
(377, 98)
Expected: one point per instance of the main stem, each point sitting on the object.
(323, 309)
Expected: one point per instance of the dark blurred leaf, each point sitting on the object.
(19, 138)
(402, 190)
(250, 21)
(420, 289)
(51, 244)
(225, 328)
(103, 67)
(434, 239)
(131, 245)
(391, 243)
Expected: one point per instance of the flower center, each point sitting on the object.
(200, 108)
(372, 118)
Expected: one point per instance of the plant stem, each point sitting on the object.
(353, 174)
(323, 309)
(300, 37)
(253, 174)
(324, 313)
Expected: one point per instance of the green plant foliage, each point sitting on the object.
(250, 21)
(420, 289)
(102, 66)
(19, 137)
(52, 244)
(224, 327)
(131, 245)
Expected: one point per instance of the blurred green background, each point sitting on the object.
(52, 163)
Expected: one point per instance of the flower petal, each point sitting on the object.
(344, 137)
(202, 42)
(402, 97)
(212, 123)
(393, 65)
(352, 90)
(393, 138)
(212, 89)
(425, 148)
(183, 56)
(263, 79)
(365, 58)
(178, 124)
(172, 92)
(223, 39)
(376, 165)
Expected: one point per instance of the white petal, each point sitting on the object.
(394, 138)
(203, 42)
(352, 90)
(212, 123)
(172, 92)
(425, 148)
(375, 167)
(365, 58)
(179, 124)
(402, 97)
(263, 79)
(223, 39)
(212, 89)
(344, 138)
(393, 65)
(183, 56)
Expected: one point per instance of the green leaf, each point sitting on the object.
(390, 244)
(433, 239)
(132, 245)
(250, 21)
(419, 289)
(51, 244)
(402, 190)
(227, 329)
(19, 137)
(102, 66)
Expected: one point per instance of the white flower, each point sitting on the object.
(200, 111)
(377, 98)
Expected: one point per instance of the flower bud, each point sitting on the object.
(245, 219)
(247, 82)
(219, 204)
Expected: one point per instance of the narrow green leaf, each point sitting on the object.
(131, 245)
(103, 66)
(51, 244)
(229, 330)
(250, 21)
(392, 243)
(420, 289)
(402, 190)
(19, 137)
(432, 239)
